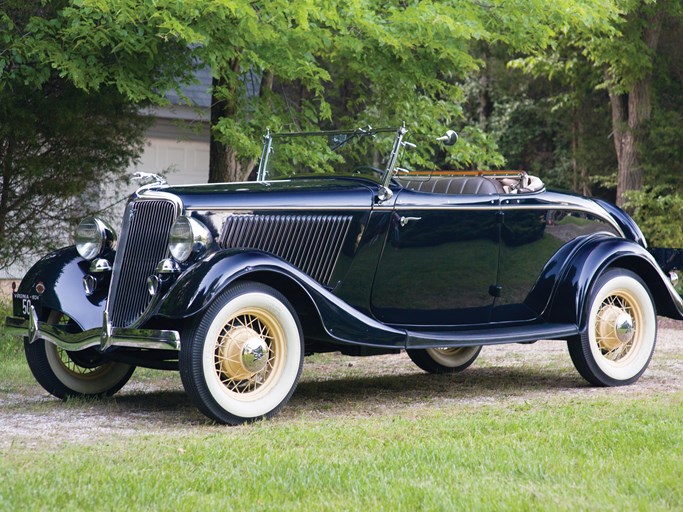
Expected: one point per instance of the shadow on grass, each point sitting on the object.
(365, 393)
(472, 384)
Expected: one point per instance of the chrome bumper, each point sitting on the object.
(104, 337)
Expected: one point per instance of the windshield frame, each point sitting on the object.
(367, 131)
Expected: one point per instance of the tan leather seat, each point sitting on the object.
(456, 185)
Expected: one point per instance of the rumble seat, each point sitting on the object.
(454, 185)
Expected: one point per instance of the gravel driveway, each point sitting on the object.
(154, 403)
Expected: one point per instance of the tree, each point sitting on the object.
(627, 59)
(316, 64)
(353, 63)
(67, 123)
(560, 106)
(57, 145)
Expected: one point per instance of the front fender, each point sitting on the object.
(590, 261)
(197, 287)
(61, 274)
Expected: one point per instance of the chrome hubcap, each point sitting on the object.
(623, 327)
(243, 353)
(255, 354)
(616, 327)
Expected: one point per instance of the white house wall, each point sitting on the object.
(177, 148)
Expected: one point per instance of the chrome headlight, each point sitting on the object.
(187, 236)
(93, 236)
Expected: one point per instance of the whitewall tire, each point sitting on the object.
(67, 374)
(241, 359)
(444, 360)
(621, 331)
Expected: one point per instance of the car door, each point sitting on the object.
(440, 260)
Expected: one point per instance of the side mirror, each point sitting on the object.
(449, 139)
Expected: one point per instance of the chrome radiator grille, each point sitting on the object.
(309, 242)
(144, 242)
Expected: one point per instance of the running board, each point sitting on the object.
(497, 336)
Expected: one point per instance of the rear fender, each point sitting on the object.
(197, 287)
(590, 261)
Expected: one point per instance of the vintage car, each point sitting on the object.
(233, 284)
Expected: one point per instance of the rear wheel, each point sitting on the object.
(444, 360)
(243, 357)
(65, 374)
(618, 343)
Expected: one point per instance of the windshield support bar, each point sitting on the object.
(262, 173)
(393, 157)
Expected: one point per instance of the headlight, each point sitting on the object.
(93, 236)
(187, 236)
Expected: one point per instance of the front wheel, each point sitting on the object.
(619, 340)
(243, 356)
(66, 374)
(444, 360)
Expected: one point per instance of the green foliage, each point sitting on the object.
(339, 64)
(345, 64)
(93, 44)
(66, 126)
(349, 64)
(57, 146)
(658, 210)
(663, 150)
(11, 347)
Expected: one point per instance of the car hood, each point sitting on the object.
(300, 192)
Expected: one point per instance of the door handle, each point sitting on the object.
(406, 220)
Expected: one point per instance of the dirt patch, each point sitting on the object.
(335, 386)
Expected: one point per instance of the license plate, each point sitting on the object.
(23, 302)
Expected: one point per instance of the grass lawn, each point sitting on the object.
(360, 434)
(574, 456)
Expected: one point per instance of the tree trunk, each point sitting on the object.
(630, 113)
(225, 165)
(485, 107)
(580, 177)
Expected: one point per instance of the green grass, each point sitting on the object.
(357, 436)
(13, 371)
(552, 456)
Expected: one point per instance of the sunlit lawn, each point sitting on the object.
(621, 451)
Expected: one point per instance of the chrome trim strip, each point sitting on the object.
(484, 207)
(595, 211)
(160, 195)
(276, 208)
(118, 337)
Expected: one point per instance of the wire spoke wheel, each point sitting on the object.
(618, 326)
(66, 373)
(243, 356)
(83, 372)
(619, 339)
(247, 352)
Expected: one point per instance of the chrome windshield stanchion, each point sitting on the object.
(262, 174)
(384, 192)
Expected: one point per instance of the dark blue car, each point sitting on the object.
(234, 283)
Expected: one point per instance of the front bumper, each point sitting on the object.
(105, 337)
